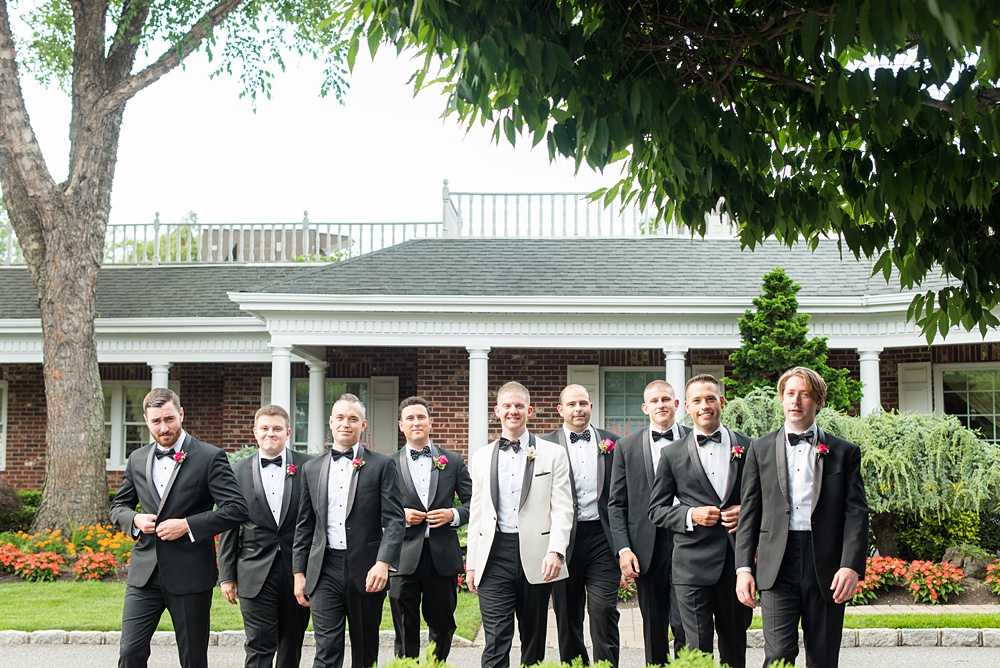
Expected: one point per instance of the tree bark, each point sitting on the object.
(885, 535)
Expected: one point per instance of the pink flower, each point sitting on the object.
(290, 469)
(606, 446)
(358, 463)
(180, 456)
(737, 451)
(441, 462)
(822, 449)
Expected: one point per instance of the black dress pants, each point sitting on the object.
(658, 603)
(274, 621)
(335, 601)
(440, 596)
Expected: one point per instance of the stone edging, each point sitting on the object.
(230, 638)
(903, 638)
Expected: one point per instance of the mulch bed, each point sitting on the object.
(974, 592)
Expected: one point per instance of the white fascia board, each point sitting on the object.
(235, 325)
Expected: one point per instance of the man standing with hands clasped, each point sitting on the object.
(704, 471)
(804, 507)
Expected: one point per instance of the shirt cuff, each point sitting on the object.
(454, 517)
(744, 569)
(624, 550)
(688, 522)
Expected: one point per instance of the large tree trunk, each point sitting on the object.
(885, 535)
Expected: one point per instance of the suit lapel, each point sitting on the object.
(647, 457)
(529, 472)
(173, 474)
(323, 489)
(286, 493)
(781, 462)
(149, 474)
(354, 481)
(494, 478)
(561, 436)
(818, 470)
(435, 474)
(734, 466)
(404, 465)
(601, 466)
(691, 444)
(258, 487)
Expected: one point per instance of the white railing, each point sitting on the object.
(464, 214)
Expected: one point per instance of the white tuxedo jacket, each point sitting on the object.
(545, 516)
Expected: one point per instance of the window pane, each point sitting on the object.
(133, 403)
(332, 390)
(107, 441)
(135, 438)
(106, 391)
(971, 396)
(623, 399)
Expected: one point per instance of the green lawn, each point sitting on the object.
(97, 606)
(919, 621)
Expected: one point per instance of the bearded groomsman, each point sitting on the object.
(255, 559)
(431, 558)
(703, 472)
(519, 526)
(348, 536)
(593, 580)
(643, 549)
(804, 508)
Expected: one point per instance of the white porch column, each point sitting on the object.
(674, 358)
(871, 397)
(160, 372)
(317, 407)
(479, 398)
(281, 376)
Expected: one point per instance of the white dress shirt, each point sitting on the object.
(420, 475)
(655, 446)
(714, 458)
(273, 479)
(163, 468)
(583, 457)
(510, 476)
(801, 468)
(338, 485)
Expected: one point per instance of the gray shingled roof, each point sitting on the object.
(449, 267)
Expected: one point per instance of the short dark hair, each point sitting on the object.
(414, 401)
(158, 397)
(271, 409)
(573, 386)
(351, 399)
(704, 378)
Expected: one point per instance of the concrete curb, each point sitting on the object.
(215, 638)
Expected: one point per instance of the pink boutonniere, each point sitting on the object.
(530, 451)
(606, 446)
(822, 449)
(358, 463)
(440, 462)
(290, 469)
(737, 451)
(179, 457)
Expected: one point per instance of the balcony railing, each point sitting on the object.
(484, 215)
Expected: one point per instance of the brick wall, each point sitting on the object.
(25, 425)
(888, 363)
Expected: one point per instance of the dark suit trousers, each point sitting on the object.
(274, 621)
(698, 605)
(592, 583)
(440, 595)
(658, 604)
(141, 613)
(335, 601)
(796, 594)
(503, 593)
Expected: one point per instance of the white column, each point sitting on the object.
(160, 374)
(871, 397)
(675, 370)
(281, 376)
(479, 398)
(317, 407)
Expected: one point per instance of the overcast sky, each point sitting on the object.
(191, 144)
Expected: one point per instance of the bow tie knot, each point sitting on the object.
(160, 454)
(417, 454)
(704, 439)
(336, 454)
(582, 436)
(795, 439)
(506, 443)
(265, 462)
(668, 434)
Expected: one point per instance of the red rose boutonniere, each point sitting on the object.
(179, 457)
(822, 449)
(606, 446)
(737, 451)
(358, 463)
(440, 462)
(290, 469)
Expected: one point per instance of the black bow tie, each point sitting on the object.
(417, 454)
(582, 436)
(265, 462)
(668, 434)
(160, 454)
(336, 454)
(704, 439)
(795, 439)
(505, 444)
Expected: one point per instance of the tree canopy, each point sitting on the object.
(872, 121)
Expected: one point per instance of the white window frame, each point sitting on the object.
(303, 446)
(599, 418)
(940, 369)
(4, 394)
(118, 460)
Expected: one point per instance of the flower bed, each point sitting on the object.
(926, 581)
(95, 552)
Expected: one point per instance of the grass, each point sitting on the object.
(918, 621)
(97, 606)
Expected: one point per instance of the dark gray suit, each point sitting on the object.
(703, 563)
(592, 585)
(429, 566)
(257, 557)
(794, 569)
(628, 512)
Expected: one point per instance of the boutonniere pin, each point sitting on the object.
(822, 449)
(440, 462)
(290, 470)
(606, 446)
(737, 451)
(530, 451)
(358, 463)
(179, 457)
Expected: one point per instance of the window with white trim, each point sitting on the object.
(124, 429)
(972, 394)
(3, 425)
(622, 399)
(333, 388)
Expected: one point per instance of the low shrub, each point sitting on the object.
(993, 577)
(39, 566)
(989, 532)
(43, 541)
(933, 583)
(925, 538)
(94, 565)
(18, 520)
(30, 497)
(880, 572)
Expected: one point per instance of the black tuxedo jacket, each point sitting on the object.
(604, 466)
(628, 502)
(839, 511)
(444, 485)
(203, 490)
(247, 552)
(374, 523)
(699, 555)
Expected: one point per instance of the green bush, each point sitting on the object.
(30, 497)
(9, 499)
(19, 520)
(926, 538)
(989, 532)
(242, 453)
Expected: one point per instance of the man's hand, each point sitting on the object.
(551, 566)
(470, 579)
(706, 516)
(440, 517)
(144, 523)
(844, 585)
(628, 563)
(746, 589)
(172, 529)
(229, 591)
(300, 589)
(378, 577)
(413, 516)
(731, 518)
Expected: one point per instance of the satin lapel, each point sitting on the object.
(149, 474)
(404, 466)
(691, 444)
(258, 488)
(647, 457)
(601, 468)
(173, 475)
(354, 482)
(435, 474)
(494, 478)
(286, 493)
(529, 473)
(781, 462)
(818, 470)
(734, 466)
(323, 489)
(572, 479)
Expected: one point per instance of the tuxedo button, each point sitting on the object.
(788, 512)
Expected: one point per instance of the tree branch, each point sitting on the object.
(125, 44)
(170, 58)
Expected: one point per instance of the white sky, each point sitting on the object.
(191, 144)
